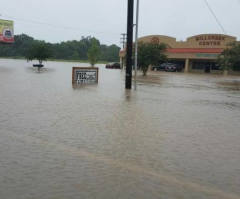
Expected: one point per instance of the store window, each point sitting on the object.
(215, 66)
(198, 65)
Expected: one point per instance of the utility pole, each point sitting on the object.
(123, 40)
(136, 46)
(128, 83)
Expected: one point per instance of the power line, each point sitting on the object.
(38, 22)
(52, 25)
(215, 16)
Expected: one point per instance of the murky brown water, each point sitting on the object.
(177, 136)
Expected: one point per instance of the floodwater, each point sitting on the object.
(176, 137)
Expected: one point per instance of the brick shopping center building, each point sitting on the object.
(197, 54)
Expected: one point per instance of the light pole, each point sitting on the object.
(128, 83)
(136, 46)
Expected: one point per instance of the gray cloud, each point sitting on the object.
(106, 19)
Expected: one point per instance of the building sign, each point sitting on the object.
(210, 40)
(84, 75)
(6, 31)
(155, 40)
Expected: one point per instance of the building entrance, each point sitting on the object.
(205, 66)
(179, 63)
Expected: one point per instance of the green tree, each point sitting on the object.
(150, 54)
(39, 51)
(230, 57)
(77, 50)
(94, 52)
(110, 53)
(18, 48)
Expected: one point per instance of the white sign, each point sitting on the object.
(84, 75)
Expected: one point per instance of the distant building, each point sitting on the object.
(197, 54)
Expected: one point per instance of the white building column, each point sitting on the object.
(186, 70)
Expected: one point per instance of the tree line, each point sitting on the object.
(69, 50)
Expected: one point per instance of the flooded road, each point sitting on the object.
(176, 137)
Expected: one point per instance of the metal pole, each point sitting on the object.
(123, 41)
(136, 46)
(128, 84)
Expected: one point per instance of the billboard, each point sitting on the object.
(6, 31)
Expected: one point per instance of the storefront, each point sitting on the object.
(197, 54)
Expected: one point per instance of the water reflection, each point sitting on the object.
(41, 70)
(128, 94)
(79, 86)
(230, 84)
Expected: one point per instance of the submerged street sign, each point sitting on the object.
(84, 75)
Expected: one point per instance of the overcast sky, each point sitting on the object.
(63, 20)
